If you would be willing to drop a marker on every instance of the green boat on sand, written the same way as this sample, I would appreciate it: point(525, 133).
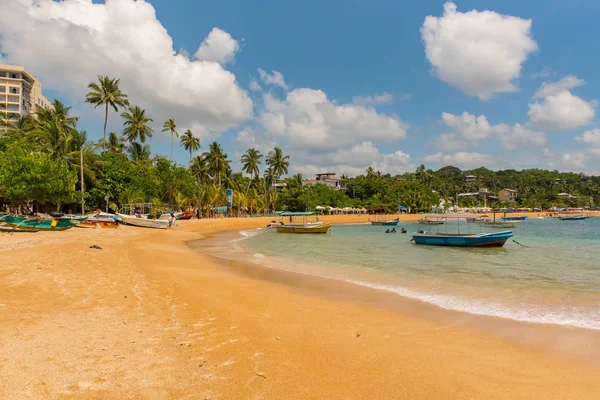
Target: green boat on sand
point(36, 224)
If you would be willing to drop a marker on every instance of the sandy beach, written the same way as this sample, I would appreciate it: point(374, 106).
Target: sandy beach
point(150, 317)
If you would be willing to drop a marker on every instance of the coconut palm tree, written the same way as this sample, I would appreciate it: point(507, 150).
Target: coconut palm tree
point(170, 125)
point(139, 152)
point(277, 162)
point(199, 169)
point(250, 162)
point(116, 143)
point(106, 91)
point(218, 164)
point(136, 125)
point(190, 142)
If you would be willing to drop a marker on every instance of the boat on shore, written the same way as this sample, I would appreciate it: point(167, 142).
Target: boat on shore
point(459, 239)
point(145, 222)
point(13, 229)
point(303, 226)
point(393, 222)
point(186, 215)
point(38, 224)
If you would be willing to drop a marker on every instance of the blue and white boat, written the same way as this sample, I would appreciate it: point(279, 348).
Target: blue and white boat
point(521, 218)
point(574, 218)
point(460, 239)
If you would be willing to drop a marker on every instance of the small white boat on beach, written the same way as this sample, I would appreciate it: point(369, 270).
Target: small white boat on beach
point(145, 222)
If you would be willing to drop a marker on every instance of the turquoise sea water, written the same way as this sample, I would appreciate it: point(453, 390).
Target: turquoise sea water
point(552, 276)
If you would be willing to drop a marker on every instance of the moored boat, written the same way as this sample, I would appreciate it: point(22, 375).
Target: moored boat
point(459, 239)
point(393, 222)
point(304, 226)
point(574, 218)
point(499, 223)
point(520, 218)
point(462, 240)
point(429, 221)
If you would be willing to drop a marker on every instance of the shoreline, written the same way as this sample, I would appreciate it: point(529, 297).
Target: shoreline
point(149, 317)
point(583, 344)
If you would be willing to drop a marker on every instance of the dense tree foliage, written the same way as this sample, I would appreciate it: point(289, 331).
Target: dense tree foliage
point(40, 159)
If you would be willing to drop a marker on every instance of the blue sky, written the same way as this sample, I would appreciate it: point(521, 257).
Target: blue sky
point(509, 84)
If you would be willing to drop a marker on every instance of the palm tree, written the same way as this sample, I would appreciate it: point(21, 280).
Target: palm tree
point(191, 142)
point(199, 169)
point(169, 125)
point(277, 162)
point(139, 152)
point(116, 143)
point(136, 125)
point(217, 161)
point(250, 162)
point(106, 92)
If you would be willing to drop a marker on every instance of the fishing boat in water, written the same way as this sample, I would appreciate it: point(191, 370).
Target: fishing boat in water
point(393, 222)
point(431, 221)
point(460, 239)
point(573, 218)
point(520, 218)
point(298, 223)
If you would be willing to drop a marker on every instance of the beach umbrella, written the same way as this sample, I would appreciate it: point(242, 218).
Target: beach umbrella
point(320, 208)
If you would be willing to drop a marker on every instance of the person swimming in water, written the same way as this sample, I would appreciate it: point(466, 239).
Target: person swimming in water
point(403, 230)
point(387, 231)
point(393, 230)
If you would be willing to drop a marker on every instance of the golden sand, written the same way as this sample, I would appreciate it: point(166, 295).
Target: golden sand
point(147, 317)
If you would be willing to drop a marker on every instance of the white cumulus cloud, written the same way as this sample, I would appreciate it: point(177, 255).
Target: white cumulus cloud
point(480, 53)
point(449, 142)
point(122, 39)
point(574, 162)
point(475, 128)
point(589, 137)
point(462, 159)
point(218, 46)
point(275, 78)
point(558, 108)
point(309, 120)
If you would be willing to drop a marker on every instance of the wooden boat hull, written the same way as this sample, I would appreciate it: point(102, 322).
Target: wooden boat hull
point(500, 224)
point(515, 218)
point(316, 228)
point(187, 215)
point(430, 222)
point(87, 224)
point(41, 225)
point(12, 229)
point(386, 223)
point(478, 240)
point(145, 223)
point(578, 218)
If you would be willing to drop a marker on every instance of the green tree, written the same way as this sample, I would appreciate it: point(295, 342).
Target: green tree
point(216, 159)
point(37, 176)
point(277, 162)
point(139, 152)
point(250, 164)
point(190, 142)
point(170, 125)
point(136, 125)
point(106, 92)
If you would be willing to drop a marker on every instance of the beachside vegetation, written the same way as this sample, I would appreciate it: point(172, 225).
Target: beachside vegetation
point(40, 160)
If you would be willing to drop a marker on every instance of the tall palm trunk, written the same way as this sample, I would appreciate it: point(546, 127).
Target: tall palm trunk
point(105, 122)
point(172, 140)
point(249, 183)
